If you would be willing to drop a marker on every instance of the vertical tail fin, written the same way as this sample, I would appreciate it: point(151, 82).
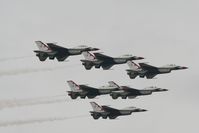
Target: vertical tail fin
point(42, 46)
point(96, 107)
point(133, 65)
point(113, 84)
point(88, 55)
point(73, 85)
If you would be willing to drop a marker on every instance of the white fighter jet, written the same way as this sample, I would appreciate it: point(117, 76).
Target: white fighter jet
point(144, 70)
point(106, 62)
point(125, 91)
point(52, 51)
point(84, 91)
point(106, 111)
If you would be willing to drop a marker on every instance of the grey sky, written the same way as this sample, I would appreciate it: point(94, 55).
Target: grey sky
point(163, 32)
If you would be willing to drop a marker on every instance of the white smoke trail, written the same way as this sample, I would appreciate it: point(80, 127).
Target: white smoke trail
point(28, 70)
point(34, 70)
point(15, 58)
point(39, 120)
point(13, 103)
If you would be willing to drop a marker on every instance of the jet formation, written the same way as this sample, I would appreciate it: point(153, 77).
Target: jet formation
point(106, 62)
point(112, 89)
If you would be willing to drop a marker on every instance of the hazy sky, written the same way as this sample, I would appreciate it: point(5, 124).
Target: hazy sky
point(34, 92)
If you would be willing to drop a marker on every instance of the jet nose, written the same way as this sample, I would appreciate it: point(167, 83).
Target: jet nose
point(159, 90)
point(140, 58)
point(94, 49)
point(184, 67)
point(137, 58)
point(164, 89)
point(140, 110)
point(143, 110)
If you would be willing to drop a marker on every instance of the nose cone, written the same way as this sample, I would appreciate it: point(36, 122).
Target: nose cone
point(184, 67)
point(181, 68)
point(144, 110)
point(137, 58)
point(164, 89)
point(94, 49)
point(140, 110)
point(159, 90)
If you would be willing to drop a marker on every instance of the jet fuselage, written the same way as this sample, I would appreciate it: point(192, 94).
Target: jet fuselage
point(120, 60)
point(82, 93)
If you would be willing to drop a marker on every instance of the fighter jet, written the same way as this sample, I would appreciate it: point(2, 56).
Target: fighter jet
point(144, 70)
point(106, 111)
point(125, 91)
point(106, 62)
point(84, 90)
point(52, 51)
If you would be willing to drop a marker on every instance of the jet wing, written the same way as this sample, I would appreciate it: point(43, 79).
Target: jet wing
point(88, 88)
point(102, 57)
point(147, 67)
point(129, 89)
point(56, 47)
point(109, 109)
point(61, 52)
